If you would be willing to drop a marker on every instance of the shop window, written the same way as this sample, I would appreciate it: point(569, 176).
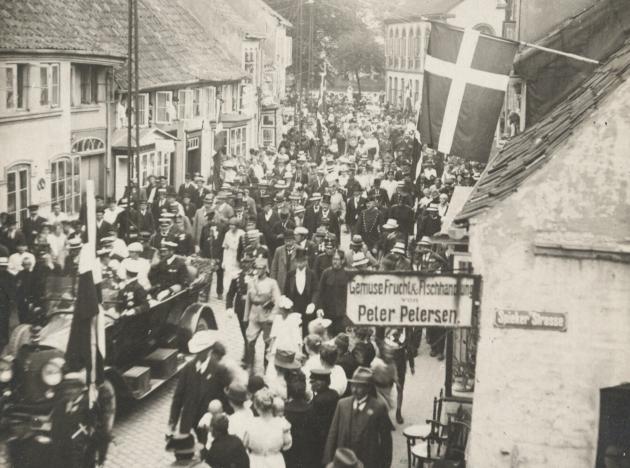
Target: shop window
point(65, 183)
point(163, 113)
point(18, 192)
point(238, 141)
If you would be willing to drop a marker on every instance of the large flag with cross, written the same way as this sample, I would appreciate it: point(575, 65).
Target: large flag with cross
point(466, 75)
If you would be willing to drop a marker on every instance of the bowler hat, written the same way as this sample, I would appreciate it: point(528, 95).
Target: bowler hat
point(286, 359)
point(345, 458)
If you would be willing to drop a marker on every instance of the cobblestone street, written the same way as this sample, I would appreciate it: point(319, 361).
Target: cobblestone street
point(139, 431)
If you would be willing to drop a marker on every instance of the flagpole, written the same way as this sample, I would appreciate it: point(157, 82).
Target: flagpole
point(91, 251)
point(522, 43)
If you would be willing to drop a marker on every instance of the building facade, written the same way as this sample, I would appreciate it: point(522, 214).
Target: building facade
point(554, 258)
point(406, 41)
point(53, 112)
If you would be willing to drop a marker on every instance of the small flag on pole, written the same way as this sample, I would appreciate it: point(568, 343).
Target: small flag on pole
point(465, 78)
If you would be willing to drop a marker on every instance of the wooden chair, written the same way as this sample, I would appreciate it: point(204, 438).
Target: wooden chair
point(445, 447)
point(420, 432)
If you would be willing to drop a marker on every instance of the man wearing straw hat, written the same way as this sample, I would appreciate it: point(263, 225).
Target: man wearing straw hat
point(361, 423)
point(201, 381)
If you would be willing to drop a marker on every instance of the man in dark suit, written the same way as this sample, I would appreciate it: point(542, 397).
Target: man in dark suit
point(187, 188)
point(32, 225)
point(355, 205)
point(323, 408)
point(328, 218)
point(267, 220)
point(361, 423)
point(283, 260)
point(312, 216)
point(201, 381)
point(199, 192)
point(143, 218)
point(301, 287)
point(369, 224)
point(318, 184)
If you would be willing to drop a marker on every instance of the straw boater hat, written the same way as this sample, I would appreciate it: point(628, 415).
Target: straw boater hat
point(391, 224)
point(202, 340)
point(135, 247)
point(298, 210)
point(300, 231)
point(399, 248)
point(316, 196)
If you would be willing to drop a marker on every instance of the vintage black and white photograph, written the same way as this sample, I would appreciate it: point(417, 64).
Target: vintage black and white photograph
point(315, 233)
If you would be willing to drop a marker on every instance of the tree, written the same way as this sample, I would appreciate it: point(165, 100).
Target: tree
point(357, 52)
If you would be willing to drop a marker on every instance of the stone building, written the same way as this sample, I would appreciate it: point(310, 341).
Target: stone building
point(548, 224)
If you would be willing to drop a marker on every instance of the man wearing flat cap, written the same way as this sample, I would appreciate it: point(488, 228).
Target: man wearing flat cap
point(201, 381)
point(32, 225)
point(361, 423)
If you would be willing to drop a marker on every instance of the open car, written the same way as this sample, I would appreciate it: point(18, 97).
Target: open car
point(142, 353)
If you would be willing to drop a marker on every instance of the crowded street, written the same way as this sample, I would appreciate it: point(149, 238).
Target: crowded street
point(314, 234)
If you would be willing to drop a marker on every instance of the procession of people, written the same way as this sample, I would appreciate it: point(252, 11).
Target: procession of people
point(269, 230)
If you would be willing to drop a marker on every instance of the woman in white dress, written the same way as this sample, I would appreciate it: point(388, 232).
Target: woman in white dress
point(267, 435)
point(230, 252)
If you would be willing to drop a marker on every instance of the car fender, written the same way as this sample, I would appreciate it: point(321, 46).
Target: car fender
point(188, 321)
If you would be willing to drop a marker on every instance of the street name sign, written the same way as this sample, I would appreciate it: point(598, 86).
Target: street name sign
point(411, 299)
point(526, 319)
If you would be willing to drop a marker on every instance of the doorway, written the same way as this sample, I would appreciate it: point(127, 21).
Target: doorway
point(613, 445)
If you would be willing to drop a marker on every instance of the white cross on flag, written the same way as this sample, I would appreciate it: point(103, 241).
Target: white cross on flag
point(466, 75)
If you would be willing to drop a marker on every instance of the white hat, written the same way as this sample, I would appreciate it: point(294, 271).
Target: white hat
point(132, 266)
point(359, 259)
point(300, 231)
point(135, 247)
point(391, 224)
point(4, 261)
point(285, 303)
point(399, 248)
point(202, 340)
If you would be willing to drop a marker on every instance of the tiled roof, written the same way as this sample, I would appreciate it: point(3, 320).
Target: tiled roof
point(411, 9)
point(174, 47)
point(530, 150)
point(84, 27)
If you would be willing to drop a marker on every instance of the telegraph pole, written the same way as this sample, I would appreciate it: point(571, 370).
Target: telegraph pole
point(300, 64)
point(130, 20)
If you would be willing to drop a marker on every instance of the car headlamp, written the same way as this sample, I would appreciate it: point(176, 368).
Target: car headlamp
point(52, 373)
point(6, 371)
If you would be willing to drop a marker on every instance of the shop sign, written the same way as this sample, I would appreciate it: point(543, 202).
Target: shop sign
point(411, 299)
point(530, 320)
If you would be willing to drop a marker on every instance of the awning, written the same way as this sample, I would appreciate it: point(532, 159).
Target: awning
point(161, 140)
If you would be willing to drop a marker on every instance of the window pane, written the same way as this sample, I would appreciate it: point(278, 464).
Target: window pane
point(55, 85)
point(11, 179)
point(22, 85)
point(61, 187)
point(23, 199)
point(23, 178)
point(10, 102)
point(11, 202)
point(53, 191)
point(77, 166)
point(43, 85)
